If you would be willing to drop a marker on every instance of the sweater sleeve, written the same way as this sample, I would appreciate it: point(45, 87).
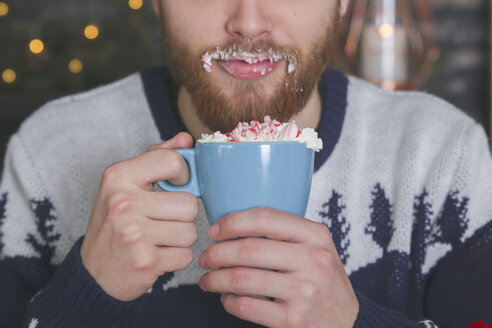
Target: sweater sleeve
point(375, 315)
point(73, 299)
point(36, 289)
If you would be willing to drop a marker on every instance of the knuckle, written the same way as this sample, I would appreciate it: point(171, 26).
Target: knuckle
point(230, 222)
point(265, 212)
point(143, 261)
point(212, 253)
point(297, 319)
point(267, 215)
point(114, 172)
point(187, 257)
point(191, 234)
point(173, 162)
point(308, 290)
point(190, 205)
point(322, 259)
point(249, 248)
point(130, 233)
point(118, 204)
point(243, 307)
point(240, 278)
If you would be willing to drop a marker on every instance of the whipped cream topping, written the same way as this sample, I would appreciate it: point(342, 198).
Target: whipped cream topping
point(268, 131)
point(234, 53)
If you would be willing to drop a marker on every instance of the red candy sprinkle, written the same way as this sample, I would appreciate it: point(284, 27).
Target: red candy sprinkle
point(256, 130)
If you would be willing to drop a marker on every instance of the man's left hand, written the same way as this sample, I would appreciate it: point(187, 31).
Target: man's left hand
point(306, 282)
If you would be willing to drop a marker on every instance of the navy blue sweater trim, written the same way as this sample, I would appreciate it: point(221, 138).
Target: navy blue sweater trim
point(333, 89)
point(161, 92)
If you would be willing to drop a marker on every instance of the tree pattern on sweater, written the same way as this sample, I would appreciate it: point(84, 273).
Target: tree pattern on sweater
point(43, 210)
point(333, 217)
point(381, 225)
point(448, 228)
point(421, 230)
point(453, 222)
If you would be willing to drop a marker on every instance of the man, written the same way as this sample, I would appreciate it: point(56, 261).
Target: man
point(398, 230)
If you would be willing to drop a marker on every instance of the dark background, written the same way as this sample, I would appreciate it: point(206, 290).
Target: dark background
point(129, 40)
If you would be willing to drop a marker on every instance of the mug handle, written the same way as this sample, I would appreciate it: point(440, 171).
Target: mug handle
point(193, 185)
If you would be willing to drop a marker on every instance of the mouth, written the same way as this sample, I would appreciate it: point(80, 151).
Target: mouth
point(246, 65)
point(245, 70)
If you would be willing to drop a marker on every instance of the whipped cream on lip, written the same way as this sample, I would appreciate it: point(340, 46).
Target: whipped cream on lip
point(244, 64)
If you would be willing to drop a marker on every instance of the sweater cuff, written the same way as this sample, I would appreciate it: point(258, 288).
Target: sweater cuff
point(375, 315)
point(74, 299)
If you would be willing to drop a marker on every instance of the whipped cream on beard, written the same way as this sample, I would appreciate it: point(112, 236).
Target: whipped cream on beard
point(268, 131)
point(235, 53)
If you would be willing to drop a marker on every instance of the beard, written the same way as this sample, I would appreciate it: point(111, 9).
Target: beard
point(247, 100)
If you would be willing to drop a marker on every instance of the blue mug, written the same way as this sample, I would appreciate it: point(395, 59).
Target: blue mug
point(231, 177)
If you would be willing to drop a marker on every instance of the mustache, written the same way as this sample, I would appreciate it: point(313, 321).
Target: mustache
point(251, 53)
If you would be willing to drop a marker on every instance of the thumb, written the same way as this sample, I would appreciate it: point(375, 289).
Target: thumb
point(181, 140)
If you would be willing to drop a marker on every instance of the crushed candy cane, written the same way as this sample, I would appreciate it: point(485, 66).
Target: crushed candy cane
point(269, 130)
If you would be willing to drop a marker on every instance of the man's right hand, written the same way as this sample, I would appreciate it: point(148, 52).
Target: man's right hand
point(135, 234)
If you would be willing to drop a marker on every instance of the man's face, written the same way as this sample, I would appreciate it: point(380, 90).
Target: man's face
point(243, 59)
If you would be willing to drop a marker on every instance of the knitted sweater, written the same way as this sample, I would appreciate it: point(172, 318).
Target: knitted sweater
point(404, 183)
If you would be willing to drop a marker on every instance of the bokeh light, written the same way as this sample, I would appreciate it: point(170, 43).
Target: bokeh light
point(91, 32)
point(4, 9)
point(386, 30)
point(135, 4)
point(36, 46)
point(9, 75)
point(75, 66)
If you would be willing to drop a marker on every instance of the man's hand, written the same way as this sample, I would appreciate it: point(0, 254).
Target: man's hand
point(135, 234)
point(307, 282)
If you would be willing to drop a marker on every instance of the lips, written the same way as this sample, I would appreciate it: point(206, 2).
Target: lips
point(248, 71)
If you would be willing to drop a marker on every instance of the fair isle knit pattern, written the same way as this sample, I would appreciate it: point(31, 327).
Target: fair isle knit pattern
point(404, 184)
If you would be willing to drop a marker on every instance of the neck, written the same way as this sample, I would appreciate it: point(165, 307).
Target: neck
point(309, 117)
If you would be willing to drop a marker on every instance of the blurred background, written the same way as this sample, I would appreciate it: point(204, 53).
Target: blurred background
point(53, 48)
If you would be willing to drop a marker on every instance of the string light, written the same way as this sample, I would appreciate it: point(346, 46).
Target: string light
point(36, 46)
point(135, 4)
point(4, 9)
point(75, 66)
point(91, 32)
point(9, 76)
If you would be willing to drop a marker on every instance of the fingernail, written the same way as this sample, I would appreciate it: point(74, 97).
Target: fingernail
point(201, 260)
point(214, 230)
